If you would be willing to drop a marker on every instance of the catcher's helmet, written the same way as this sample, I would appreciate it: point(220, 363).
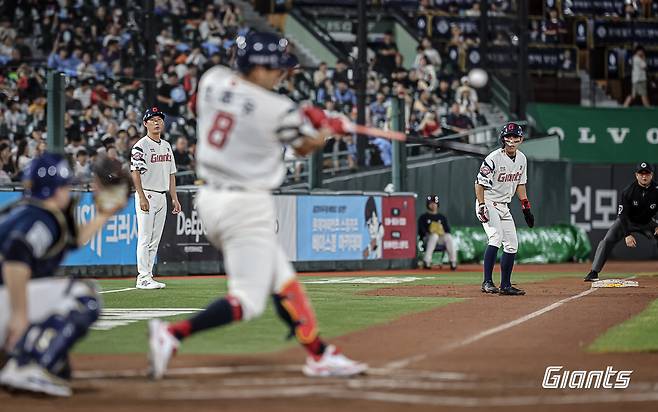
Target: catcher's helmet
point(431, 199)
point(262, 49)
point(45, 174)
point(509, 132)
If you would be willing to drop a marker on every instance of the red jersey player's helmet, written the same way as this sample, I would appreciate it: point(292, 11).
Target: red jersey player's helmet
point(511, 134)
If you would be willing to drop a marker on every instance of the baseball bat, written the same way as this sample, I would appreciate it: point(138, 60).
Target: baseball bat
point(375, 132)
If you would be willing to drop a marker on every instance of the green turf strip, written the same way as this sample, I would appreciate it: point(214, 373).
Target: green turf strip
point(340, 309)
point(638, 334)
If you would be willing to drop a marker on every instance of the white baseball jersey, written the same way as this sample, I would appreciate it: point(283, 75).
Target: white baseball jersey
point(155, 162)
point(241, 128)
point(500, 175)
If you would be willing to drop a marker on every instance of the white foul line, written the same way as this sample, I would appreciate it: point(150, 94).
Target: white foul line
point(411, 359)
point(117, 290)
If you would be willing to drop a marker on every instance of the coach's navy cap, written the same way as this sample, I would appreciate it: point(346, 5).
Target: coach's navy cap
point(643, 167)
point(152, 112)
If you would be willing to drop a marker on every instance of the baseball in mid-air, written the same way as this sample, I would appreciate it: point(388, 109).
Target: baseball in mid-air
point(478, 78)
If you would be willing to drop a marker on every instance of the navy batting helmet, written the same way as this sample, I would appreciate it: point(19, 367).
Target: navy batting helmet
point(262, 49)
point(431, 199)
point(510, 131)
point(45, 174)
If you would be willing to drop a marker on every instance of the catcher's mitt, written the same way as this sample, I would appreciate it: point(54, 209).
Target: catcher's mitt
point(112, 185)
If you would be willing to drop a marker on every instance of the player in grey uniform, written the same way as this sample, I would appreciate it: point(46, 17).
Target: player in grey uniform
point(502, 174)
point(152, 165)
point(242, 126)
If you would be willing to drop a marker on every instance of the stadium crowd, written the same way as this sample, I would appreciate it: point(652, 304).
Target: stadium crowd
point(100, 47)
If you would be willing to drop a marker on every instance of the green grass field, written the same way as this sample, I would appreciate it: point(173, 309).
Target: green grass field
point(638, 334)
point(341, 308)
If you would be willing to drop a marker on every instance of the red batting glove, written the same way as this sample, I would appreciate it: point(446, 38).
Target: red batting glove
point(525, 204)
point(315, 115)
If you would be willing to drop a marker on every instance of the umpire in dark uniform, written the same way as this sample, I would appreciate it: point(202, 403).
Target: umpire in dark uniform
point(637, 212)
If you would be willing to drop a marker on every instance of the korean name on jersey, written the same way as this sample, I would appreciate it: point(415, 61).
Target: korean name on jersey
point(241, 129)
point(500, 175)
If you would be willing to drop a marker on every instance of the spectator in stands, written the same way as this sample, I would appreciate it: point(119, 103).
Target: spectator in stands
point(8, 167)
point(340, 72)
point(168, 102)
point(474, 11)
point(467, 97)
point(377, 111)
point(445, 94)
point(639, 78)
point(320, 74)
point(74, 146)
point(630, 10)
point(456, 121)
point(554, 27)
point(424, 103)
point(211, 30)
point(182, 155)
point(385, 55)
point(83, 93)
point(429, 126)
point(324, 93)
point(344, 97)
point(431, 55)
point(22, 155)
point(426, 73)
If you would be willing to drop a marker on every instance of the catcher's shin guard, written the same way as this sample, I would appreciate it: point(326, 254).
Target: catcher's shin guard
point(49, 341)
point(293, 307)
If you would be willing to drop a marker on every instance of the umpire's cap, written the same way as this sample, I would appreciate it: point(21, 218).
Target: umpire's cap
point(263, 49)
point(152, 112)
point(644, 167)
point(45, 174)
point(431, 199)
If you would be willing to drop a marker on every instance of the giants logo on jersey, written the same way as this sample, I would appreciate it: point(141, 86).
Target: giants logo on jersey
point(509, 177)
point(160, 158)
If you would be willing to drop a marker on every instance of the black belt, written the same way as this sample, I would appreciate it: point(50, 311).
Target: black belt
point(156, 191)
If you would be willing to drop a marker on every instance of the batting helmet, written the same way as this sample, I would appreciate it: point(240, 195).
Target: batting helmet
point(431, 199)
point(511, 131)
point(262, 49)
point(45, 174)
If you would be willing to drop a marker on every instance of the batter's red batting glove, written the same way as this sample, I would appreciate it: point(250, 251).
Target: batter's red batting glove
point(527, 214)
point(319, 119)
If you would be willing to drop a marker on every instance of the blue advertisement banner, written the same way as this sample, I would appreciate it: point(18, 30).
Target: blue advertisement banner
point(114, 245)
point(339, 228)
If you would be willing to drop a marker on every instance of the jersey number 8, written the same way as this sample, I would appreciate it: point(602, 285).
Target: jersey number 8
point(221, 128)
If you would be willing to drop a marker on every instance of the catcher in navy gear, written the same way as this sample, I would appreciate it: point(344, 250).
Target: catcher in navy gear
point(41, 316)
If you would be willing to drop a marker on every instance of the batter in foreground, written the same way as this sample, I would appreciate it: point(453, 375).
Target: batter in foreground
point(242, 126)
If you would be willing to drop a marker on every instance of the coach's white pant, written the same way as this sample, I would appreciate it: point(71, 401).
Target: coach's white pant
point(500, 228)
point(432, 239)
point(46, 297)
point(149, 232)
point(242, 225)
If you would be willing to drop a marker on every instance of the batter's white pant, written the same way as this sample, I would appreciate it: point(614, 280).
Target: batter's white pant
point(242, 225)
point(149, 231)
point(432, 239)
point(46, 297)
point(500, 228)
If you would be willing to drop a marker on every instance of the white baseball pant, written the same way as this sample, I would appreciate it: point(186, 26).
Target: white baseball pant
point(433, 239)
point(242, 225)
point(500, 228)
point(149, 231)
point(46, 297)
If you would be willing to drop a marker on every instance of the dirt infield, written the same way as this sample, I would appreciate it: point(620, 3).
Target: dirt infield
point(485, 352)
